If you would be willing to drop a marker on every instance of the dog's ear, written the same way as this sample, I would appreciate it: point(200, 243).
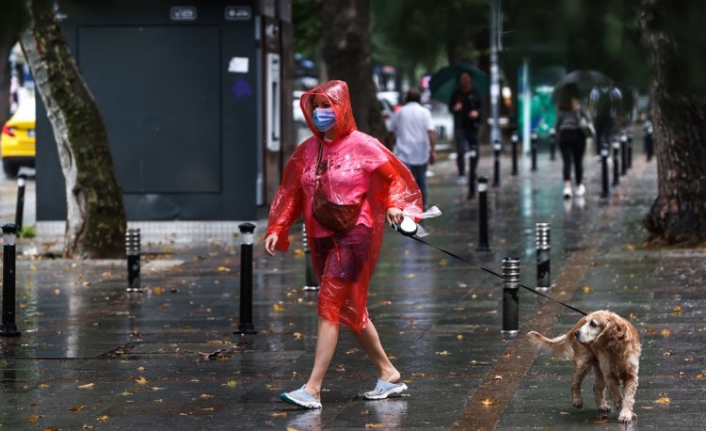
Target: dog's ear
point(615, 329)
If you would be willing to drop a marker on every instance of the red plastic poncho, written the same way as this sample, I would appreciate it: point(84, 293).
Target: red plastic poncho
point(357, 167)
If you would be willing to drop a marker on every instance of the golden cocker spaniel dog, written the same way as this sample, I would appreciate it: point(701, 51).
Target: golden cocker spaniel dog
point(611, 346)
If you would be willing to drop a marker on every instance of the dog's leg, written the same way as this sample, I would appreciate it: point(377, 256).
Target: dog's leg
point(581, 368)
point(630, 381)
point(614, 390)
point(599, 389)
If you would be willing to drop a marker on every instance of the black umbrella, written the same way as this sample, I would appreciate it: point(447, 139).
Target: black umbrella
point(582, 82)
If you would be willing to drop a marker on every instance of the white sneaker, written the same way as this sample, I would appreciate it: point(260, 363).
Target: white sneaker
point(580, 190)
point(567, 192)
point(462, 181)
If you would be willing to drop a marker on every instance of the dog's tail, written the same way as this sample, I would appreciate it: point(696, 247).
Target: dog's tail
point(560, 344)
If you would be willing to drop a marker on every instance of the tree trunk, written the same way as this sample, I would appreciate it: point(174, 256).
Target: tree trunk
point(345, 32)
point(678, 214)
point(95, 220)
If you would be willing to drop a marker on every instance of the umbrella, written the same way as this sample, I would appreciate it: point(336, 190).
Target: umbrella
point(583, 81)
point(445, 81)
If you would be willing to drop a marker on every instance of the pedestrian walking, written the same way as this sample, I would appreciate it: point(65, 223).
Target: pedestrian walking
point(347, 185)
point(605, 104)
point(572, 140)
point(412, 134)
point(465, 104)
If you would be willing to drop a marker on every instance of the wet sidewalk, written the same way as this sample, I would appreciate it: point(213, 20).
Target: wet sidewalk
point(92, 356)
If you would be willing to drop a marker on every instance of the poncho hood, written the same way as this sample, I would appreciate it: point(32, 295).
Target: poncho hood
point(337, 94)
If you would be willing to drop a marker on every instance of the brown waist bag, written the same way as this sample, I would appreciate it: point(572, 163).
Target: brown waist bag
point(333, 216)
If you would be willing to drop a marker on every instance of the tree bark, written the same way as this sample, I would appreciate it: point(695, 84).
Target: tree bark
point(95, 220)
point(678, 214)
point(345, 32)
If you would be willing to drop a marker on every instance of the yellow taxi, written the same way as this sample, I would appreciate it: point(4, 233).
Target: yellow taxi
point(17, 140)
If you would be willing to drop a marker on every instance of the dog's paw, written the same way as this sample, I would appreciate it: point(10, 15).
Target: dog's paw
point(578, 402)
point(605, 408)
point(626, 416)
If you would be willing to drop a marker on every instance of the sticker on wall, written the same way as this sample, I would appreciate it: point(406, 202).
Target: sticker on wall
point(241, 89)
point(239, 65)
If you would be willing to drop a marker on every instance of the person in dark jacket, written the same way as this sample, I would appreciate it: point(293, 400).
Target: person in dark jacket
point(572, 141)
point(465, 104)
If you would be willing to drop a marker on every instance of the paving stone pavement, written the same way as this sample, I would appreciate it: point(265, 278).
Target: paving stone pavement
point(92, 356)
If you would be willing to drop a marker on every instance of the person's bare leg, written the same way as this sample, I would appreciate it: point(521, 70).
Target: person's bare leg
point(327, 337)
point(369, 341)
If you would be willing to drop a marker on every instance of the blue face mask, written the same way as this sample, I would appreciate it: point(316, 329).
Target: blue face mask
point(324, 118)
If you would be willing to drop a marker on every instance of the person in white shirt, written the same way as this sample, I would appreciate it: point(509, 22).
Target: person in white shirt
point(412, 134)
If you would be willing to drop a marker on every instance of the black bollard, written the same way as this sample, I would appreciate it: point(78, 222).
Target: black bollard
point(19, 209)
point(473, 161)
point(604, 169)
point(514, 153)
point(616, 162)
point(247, 232)
point(552, 144)
point(132, 252)
point(534, 139)
point(497, 147)
point(483, 214)
point(623, 154)
point(310, 284)
point(544, 278)
point(629, 149)
point(9, 327)
point(511, 301)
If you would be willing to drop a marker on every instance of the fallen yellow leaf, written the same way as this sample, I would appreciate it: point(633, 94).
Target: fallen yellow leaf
point(141, 381)
point(666, 332)
point(663, 400)
point(279, 415)
point(34, 418)
point(86, 386)
point(374, 425)
point(232, 383)
point(76, 408)
point(277, 307)
point(223, 269)
point(206, 396)
point(677, 309)
point(444, 353)
point(487, 402)
point(587, 289)
point(102, 418)
point(297, 336)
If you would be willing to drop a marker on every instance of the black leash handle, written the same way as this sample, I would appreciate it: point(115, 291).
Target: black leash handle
point(489, 271)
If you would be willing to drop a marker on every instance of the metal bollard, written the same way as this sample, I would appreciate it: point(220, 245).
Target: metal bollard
point(514, 153)
point(552, 144)
point(629, 149)
point(132, 252)
point(604, 169)
point(543, 255)
point(483, 214)
point(310, 284)
point(533, 148)
point(473, 161)
point(245, 326)
point(497, 147)
point(623, 154)
point(19, 209)
point(9, 327)
point(616, 162)
point(511, 301)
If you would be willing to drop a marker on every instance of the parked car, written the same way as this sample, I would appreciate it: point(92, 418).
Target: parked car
point(17, 139)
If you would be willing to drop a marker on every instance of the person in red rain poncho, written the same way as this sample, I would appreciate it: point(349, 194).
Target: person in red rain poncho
point(349, 168)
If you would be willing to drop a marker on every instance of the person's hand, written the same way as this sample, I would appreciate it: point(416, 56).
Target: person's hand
point(432, 157)
point(473, 114)
point(458, 106)
point(394, 215)
point(270, 243)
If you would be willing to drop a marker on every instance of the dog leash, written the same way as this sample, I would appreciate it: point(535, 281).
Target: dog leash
point(489, 271)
